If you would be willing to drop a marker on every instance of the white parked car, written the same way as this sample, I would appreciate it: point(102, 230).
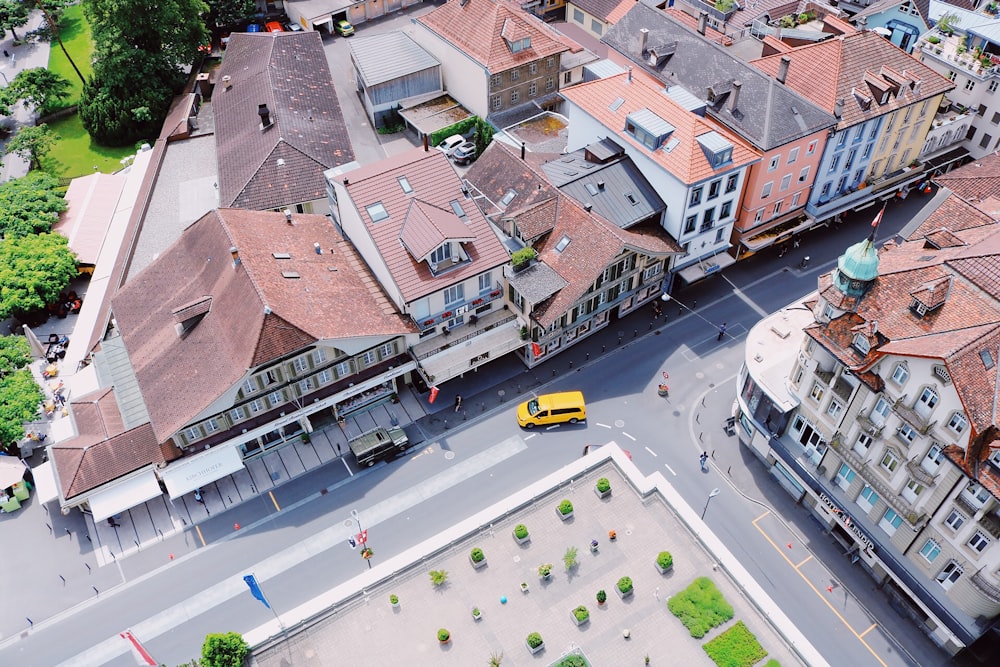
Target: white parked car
point(449, 145)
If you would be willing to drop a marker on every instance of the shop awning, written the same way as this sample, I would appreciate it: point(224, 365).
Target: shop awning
point(190, 473)
point(124, 494)
point(46, 489)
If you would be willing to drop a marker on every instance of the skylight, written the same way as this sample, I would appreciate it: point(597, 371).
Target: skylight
point(592, 189)
point(987, 359)
point(377, 212)
point(630, 197)
point(616, 104)
point(563, 242)
point(405, 184)
point(457, 208)
point(507, 198)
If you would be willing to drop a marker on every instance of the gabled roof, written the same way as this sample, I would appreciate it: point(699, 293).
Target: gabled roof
point(483, 30)
point(91, 202)
point(425, 227)
point(640, 93)
point(280, 297)
point(855, 68)
point(494, 178)
point(608, 11)
point(767, 113)
point(434, 182)
point(283, 164)
point(880, 6)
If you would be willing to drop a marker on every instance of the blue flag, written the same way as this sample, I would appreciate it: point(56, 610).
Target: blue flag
point(255, 589)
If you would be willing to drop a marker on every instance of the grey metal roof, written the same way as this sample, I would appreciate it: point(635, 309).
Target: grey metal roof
point(767, 115)
point(714, 142)
point(686, 99)
point(605, 148)
point(652, 123)
point(617, 191)
point(601, 70)
point(989, 30)
point(388, 56)
point(536, 283)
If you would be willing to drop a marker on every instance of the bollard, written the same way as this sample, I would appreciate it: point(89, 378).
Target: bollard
point(465, 415)
point(604, 348)
point(446, 424)
point(553, 372)
point(96, 592)
point(650, 326)
point(63, 579)
point(89, 571)
point(619, 340)
point(30, 622)
point(571, 364)
point(635, 332)
point(588, 356)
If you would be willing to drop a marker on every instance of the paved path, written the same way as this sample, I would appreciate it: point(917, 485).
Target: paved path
point(16, 59)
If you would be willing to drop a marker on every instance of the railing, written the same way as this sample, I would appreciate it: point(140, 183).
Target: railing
point(990, 523)
point(911, 416)
point(870, 427)
point(483, 325)
point(963, 501)
point(460, 309)
point(885, 492)
point(919, 474)
point(985, 586)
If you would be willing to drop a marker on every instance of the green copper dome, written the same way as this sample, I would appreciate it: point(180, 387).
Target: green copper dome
point(859, 262)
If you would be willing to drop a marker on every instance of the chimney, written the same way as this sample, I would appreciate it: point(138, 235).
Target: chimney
point(522, 150)
point(643, 40)
point(783, 68)
point(236, 256)
point(600, 185)
point(630, 74)
point(426, 148)
point(734, 95)
point(838, 107)
point(265, 116)
point(702, 22)
point(587, 207)
point(288, 215)
point(227, 82)
point(319, 251)
point(862, 23)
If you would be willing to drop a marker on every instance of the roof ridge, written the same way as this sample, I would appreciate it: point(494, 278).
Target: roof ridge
point(218, 212)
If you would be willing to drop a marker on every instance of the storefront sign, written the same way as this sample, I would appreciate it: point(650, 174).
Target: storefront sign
point(190, 473)
point(848, 523)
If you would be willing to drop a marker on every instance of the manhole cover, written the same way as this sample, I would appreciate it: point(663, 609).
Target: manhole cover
point(711, 385)
point(348, 523)
point(677, 413)
point(619, 423)
point(449, 455)
point(699, 375)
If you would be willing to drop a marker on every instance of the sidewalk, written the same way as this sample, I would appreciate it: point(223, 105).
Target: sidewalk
point(25, 56)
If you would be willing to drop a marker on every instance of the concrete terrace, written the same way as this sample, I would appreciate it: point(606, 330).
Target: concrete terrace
point(355, 623)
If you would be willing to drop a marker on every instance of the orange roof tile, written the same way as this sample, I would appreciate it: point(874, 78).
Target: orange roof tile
point(638, 91)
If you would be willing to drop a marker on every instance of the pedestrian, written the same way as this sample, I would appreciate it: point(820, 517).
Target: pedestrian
point(458, 402)
point(197, 496)
point(6, 54)
point(112, 523)
point(722, 331)
point(657, 311)
point(703, 459)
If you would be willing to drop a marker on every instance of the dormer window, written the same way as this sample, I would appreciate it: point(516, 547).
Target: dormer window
point(519, 44)
point(442, 253)
point(647, 128)
point(718, 150)
point(861, 344)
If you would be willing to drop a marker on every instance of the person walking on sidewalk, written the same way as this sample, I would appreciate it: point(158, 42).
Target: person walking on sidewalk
point(722, 331)
point(703, 459)
point(458, 402)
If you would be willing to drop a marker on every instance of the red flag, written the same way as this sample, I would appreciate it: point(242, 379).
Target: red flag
point(536, 349)
point(140, 654)
point(434, 395)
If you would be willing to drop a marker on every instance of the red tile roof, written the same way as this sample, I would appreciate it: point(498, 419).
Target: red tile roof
point(827, 71)
point(435, 184)
point(482, 28)
point(426, 226)
point(976, 181)
point(638, 91)
point(264, 308)
point(284, 164)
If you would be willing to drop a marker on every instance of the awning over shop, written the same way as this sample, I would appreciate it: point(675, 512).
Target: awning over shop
point(706, 267)
point(190, 473)
point(46, 489)
point(124, 494)
point(943, 160)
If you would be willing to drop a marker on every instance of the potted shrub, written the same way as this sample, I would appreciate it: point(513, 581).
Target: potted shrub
point(444, 636)
point(663, 390)
point(602, 597)
point(565, 510)
point(581, 615)
point(524, 332)
point(534, 642)
point(664, 561)
point(524, 586)
point(603, 488)
point(394, 601)
point(476, 614)
point(521, 259)
point(594, 546)
point(438, 577)
point(521, 534)
point(624, 587)
point(545, 570)
point(569, 558)
point(477, 557)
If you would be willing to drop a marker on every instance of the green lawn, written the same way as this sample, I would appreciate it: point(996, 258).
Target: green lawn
point(74, 154)
point(75, 33)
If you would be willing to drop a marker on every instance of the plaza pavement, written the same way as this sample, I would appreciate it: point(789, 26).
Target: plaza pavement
point(355, 623)
point(24, 56)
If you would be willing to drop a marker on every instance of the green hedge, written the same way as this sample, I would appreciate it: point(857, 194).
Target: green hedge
point(700, 607)
point(474, 126)
point(736, 647)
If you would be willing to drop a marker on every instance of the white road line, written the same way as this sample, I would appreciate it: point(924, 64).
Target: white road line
point(604, 425)
point(745, 299)
point(553, 426)
point(628, 436)
point(670, 469)
point(650, 451)
point(349, 471)
point(530, 436)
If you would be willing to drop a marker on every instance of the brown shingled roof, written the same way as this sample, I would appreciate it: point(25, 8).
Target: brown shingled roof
point(976, 181)
point(284, 164)
point(264, 307)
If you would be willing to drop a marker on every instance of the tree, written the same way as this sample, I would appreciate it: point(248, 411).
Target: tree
point(30, 205)
point(33, 270)
point(171, 29)
point(13, 14)
point(15, 354)
point(33, 143)
point(226, 12)
point(36, 87)
point(115, 109)
point(53, 11)
point(224, 650)
point(20, 397)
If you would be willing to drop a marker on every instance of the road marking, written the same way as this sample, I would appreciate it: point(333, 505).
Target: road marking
point(603, 425)
point(530, 436)
point(804, 561)
point(650, 451)
point(201, 537)
point(349, 471)
point(670, 469)
point(873, 626)
point(274, 500)
point(810, 584)
point(553, 426)
point(628, 436)
point(745, 299)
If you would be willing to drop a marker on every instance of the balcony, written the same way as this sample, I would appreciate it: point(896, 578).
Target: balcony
point(919, 474)
point(455, 309)
point(951, 51)
point(885, 492)
point(985, 586)
point(912, 417)
point(468, 346)
point(871, 428)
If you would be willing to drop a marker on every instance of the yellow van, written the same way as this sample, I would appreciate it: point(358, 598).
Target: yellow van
point(567, 406)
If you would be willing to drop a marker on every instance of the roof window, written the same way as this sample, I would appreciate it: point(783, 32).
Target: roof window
point(405, 184)
point(457, 208)
point(508, 197)
point(647, 128)
point(563, 242)
point(987, 358)
point(377, 212)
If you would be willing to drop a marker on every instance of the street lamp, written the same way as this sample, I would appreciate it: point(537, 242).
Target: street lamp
point(366, 551)
point(666, 297)
point(711, 495)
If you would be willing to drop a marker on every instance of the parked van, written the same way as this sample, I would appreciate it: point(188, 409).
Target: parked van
point(567, 406)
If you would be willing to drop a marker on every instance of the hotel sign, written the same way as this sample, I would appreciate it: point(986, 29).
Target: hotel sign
point(845, 519)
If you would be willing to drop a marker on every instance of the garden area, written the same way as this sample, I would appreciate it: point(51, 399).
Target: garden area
point(588, 575)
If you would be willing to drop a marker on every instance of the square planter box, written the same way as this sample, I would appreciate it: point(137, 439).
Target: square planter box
point(478, 565)
point(525, 540)
point(624, 595)
point(662, 570)
point(562, 516)
point(602, 494)
point(577, 621)
point(535, 650)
